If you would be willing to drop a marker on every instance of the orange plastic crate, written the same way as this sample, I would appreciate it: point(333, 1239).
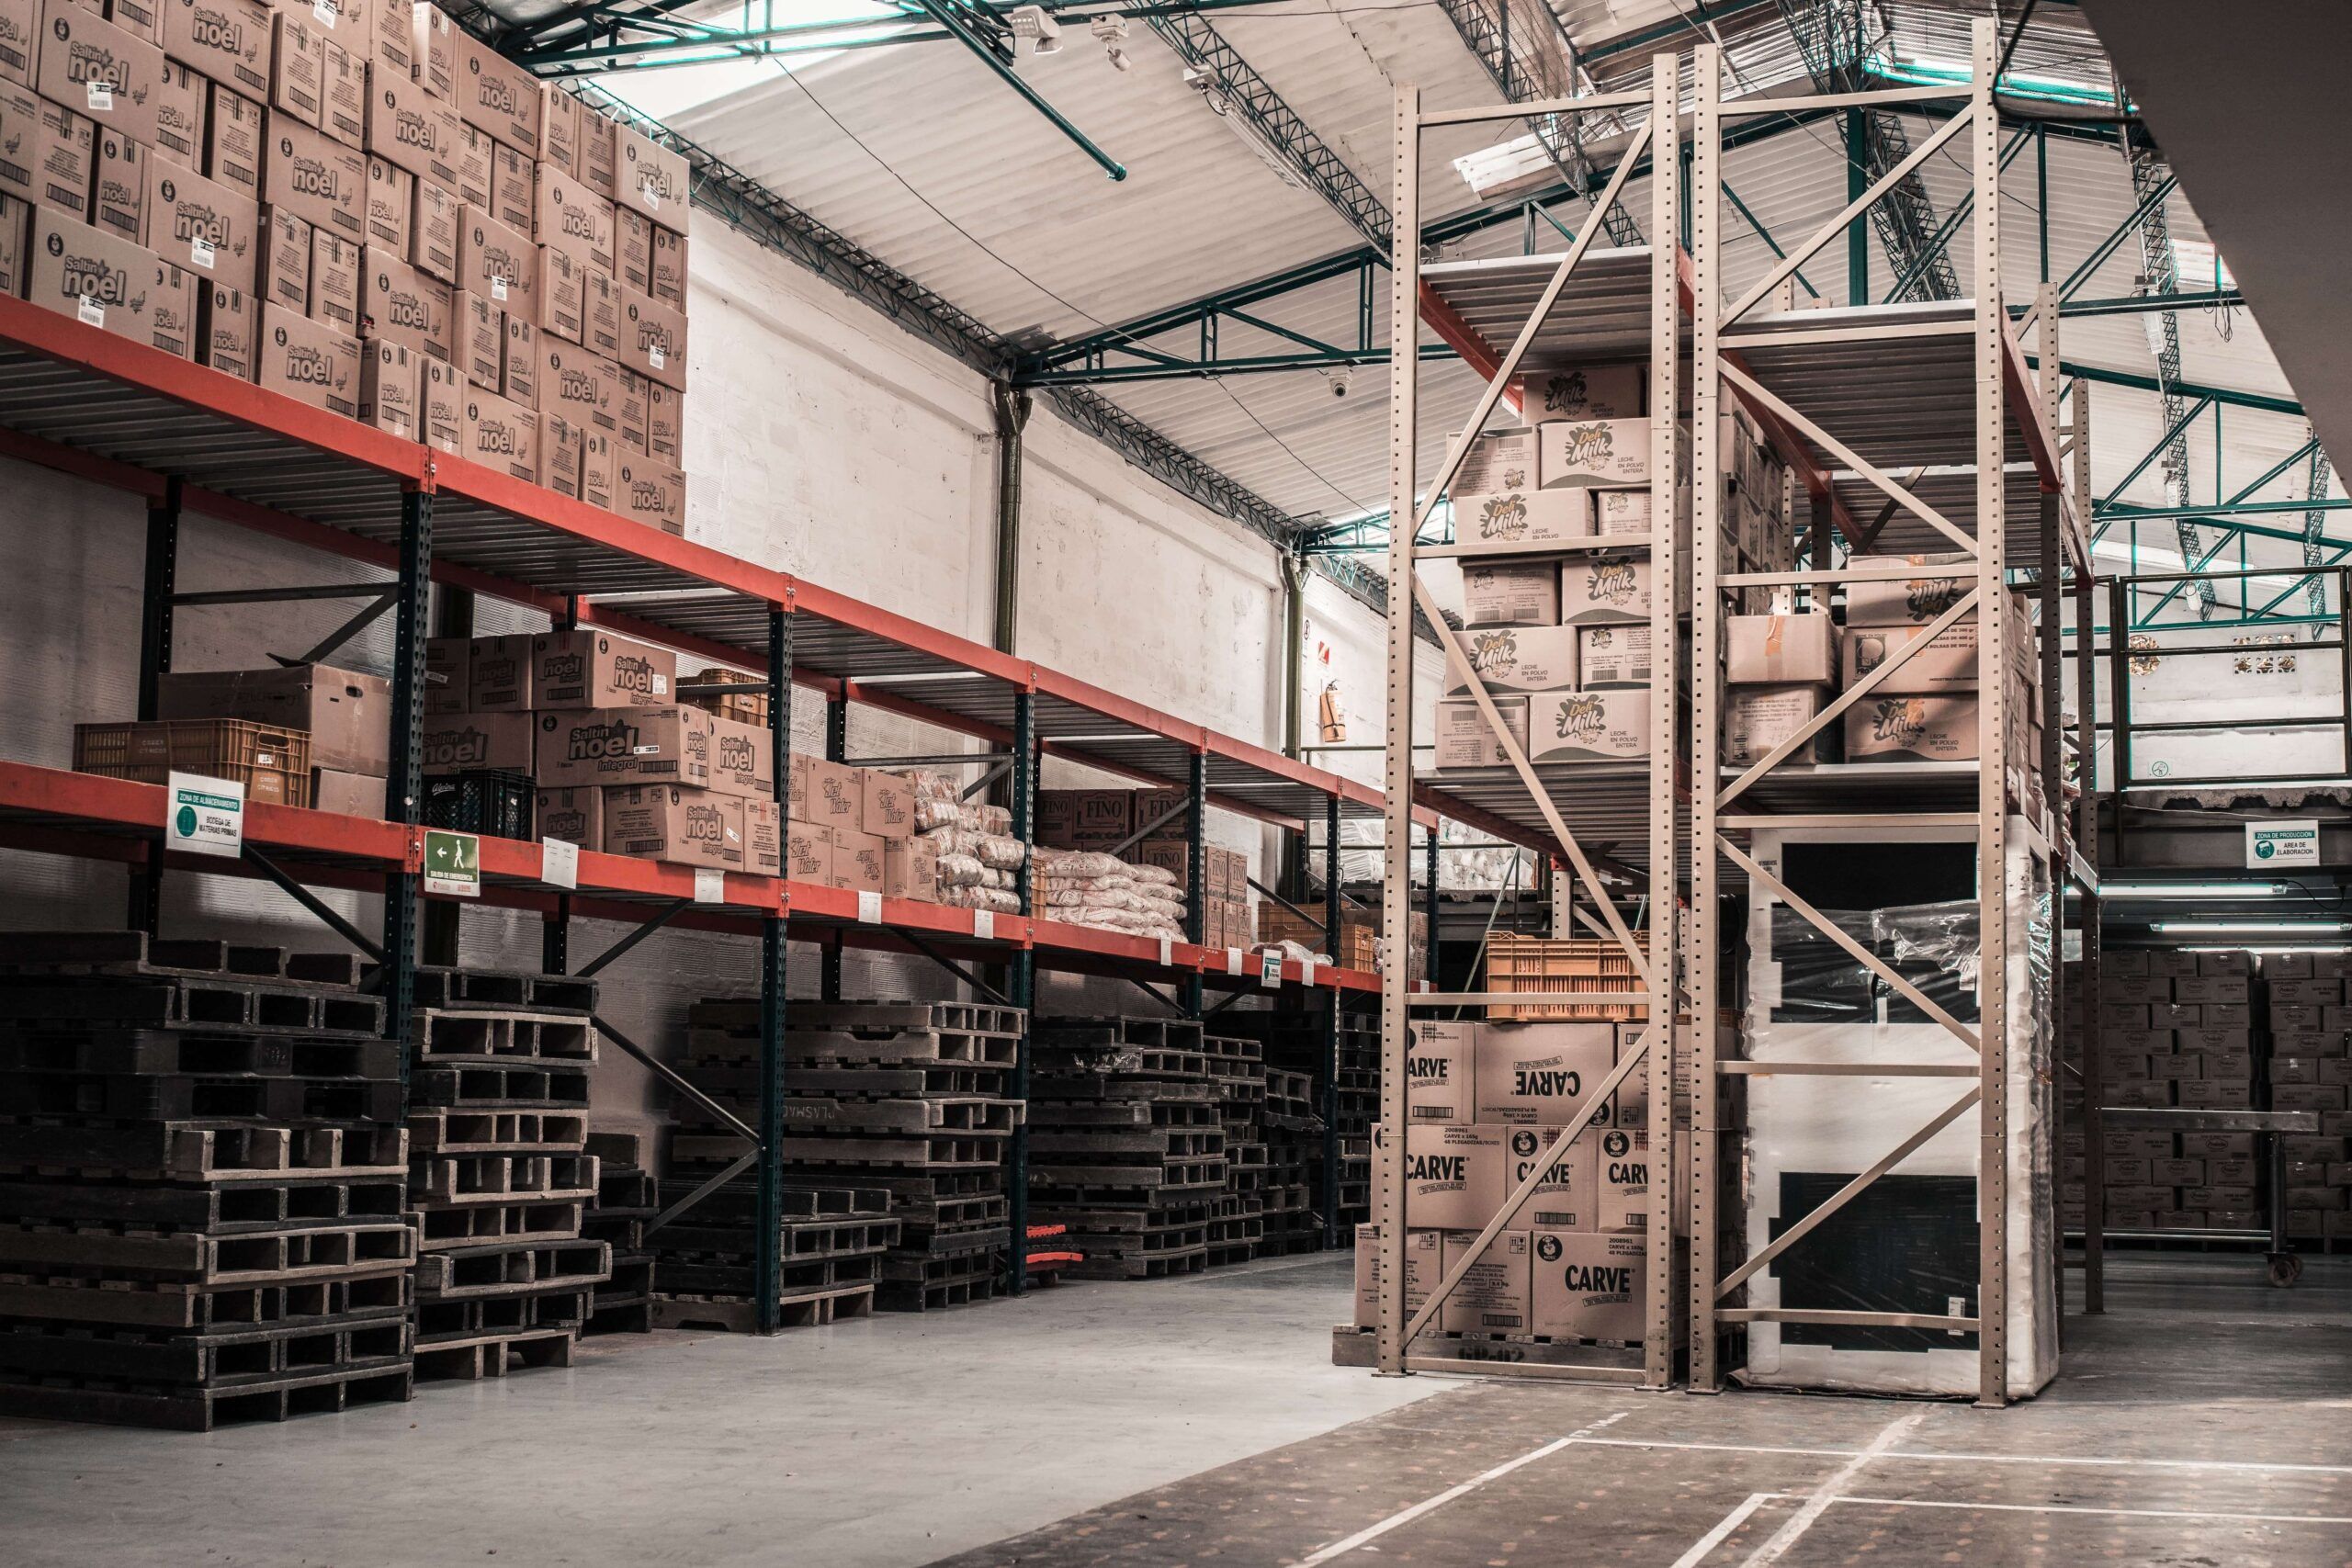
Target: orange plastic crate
point(273, 764)
point(1550, 966)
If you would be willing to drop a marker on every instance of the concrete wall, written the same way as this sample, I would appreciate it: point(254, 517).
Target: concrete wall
point(820, 440)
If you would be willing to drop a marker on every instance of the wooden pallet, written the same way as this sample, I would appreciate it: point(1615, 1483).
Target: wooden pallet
point(201, 1410)
point(737, 1314)
point(495, 1356)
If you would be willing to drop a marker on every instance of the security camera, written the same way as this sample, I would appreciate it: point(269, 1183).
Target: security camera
point(1340, 380)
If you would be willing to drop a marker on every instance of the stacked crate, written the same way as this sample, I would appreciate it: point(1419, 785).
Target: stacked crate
point(623, 1208)
point(903, 1106)
point(1237, 1222)
point(500, 1177)
point(1294, 1133)
point(2310, 1068)
point(200, 1184)
point(1126, 1144)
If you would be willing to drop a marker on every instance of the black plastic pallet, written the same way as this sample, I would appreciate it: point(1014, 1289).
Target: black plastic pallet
point(458, 1130)
point(121, 1254)
point(201, 1410)
point(168, 1002)
point(179, 1097)
point(200, 1150)
point(382, 1287)
point(463, 1035)
point(439, 987)
point(44, 1352)
point(737, 1314)
point(220, 1208)
point(494, 1084)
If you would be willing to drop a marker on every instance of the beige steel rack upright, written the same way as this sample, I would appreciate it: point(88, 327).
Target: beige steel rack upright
point(1941, 387)
point(1637, 290)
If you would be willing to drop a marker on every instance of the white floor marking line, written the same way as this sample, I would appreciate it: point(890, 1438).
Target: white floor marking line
point(1826, 1492)
point(1714, 1538)
point(1922, 1455)
point(2088, 1508)
point(1341, 1547)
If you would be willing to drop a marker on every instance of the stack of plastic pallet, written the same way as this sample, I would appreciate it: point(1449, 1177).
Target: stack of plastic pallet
point(1237, 1221)
point(500, 1177)
point(1294, 1044)
point(623, 1209)
point(1126, 1144)
point(1294, 1134)
point(907, 1100)
point(202, 1174)
point(832, 1239)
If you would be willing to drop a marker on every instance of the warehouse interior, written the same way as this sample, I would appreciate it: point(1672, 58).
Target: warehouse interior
point(733, 833)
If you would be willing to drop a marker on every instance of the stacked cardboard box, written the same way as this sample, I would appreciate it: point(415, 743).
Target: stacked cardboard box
point(1359, 945)
point(855, 828)
point(361, 207)
point(346, 714)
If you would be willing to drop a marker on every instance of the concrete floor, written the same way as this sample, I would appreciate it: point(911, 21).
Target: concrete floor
point(2203, 1421)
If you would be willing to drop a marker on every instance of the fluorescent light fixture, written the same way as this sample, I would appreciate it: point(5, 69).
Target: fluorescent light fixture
point(2241, 947)
point(2193, 889)
point(2249, 928)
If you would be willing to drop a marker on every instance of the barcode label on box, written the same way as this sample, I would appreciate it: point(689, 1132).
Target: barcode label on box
point(655, 358)
point(101, 95)
point(90, 311)
point(498, 289)
point(200, 253)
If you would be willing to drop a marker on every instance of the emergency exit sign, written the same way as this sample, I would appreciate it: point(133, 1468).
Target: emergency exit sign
point(2273, 844)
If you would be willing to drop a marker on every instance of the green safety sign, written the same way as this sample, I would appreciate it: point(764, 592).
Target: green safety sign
point(452, 863)
point(205, 817)
point(2291, 841)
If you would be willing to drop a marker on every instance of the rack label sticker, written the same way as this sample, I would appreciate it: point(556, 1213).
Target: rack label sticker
point(90, 311)
point(1270, 968)
point(560, 862)
point(205, 817)
point(2293, 841)
point(710, 885)
point(870, 907)
point(984, 924)
point(452, 863)
point(1167, 951)
point(201, 252)
point(1233, 961)
point(101, 97)
point(1306, 971)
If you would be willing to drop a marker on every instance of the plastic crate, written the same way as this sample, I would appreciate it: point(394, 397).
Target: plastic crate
point(485, 801)
point(1564, 967)
point(271, 763)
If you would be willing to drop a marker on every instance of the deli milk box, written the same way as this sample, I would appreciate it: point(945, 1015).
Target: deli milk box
point(1517, 658)
point(1589, 727)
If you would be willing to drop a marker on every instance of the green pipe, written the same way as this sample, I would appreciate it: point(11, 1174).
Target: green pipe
point(947, 18)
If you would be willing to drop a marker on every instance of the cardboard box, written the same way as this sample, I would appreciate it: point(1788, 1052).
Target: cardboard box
point(1498, 462)
point(561, 132)
point(119, 193)
point(92, 276)
point(670, 269)
point(1453, 1174)
point(519, 363)
point(1589, 727)
point(1517, 658)
point(1510, 593)
point(501, 434)
point(1946, 665)
point(413, 130)
point(808, 852)
point(583, 389)
point(911, 869)
point(1594, 452)
point(349, 715)
point(1591, 392)
point(15, 243)
point(1610, 656)
point(665, 424)
point(497, 96)
point(1441, 1070)
point(1424, 1270)
point(600, 318)
point(595, 162)
point(179, 117)
point(58, 147)
point(400, 304)
point(833, 795)
point(449, 674)
point(467, 742)
point(1780, 650)
point(668, 822)
point(349, 795)
point(1541, 1075)
point(392, 196)
point(651, 492)
point(320, 181)
point(589, 669)
point(21, 42)
point(391, 31)
point(500, 678)
point(511, 176)
point(442, 392)
point(625, 746)
point(497, 261)
point(599, 467)
point(89, 65)
point(479, 332)
point(635, 392)
point(334, 281)
point(576, 816)
point(857, 861)
point(1085, 818)
point(433, 230)
point(297, 68)
point(389, 395)
point(1606, 586)
point(225, 41)
point(1909, 601)
point(742, 760)
point(1565, 1196)
point(648, 177)
point(1464, 739)
point(1528, 516)
point(202, 224)
point(1912, 729)
point(561, 444)
point(224, 328)
point(568, 217)
point(1622, 1173)
point(1757, 719)
point(633, 249)
point(1590, 1285)
point(433, 39)
point(235, 140)
point(762, 838)
point(342, 106)
point(282, 276)
point(886, 804)
point(471, 154)
point(654, 340)
point(560, 296)
point(1491, 1297)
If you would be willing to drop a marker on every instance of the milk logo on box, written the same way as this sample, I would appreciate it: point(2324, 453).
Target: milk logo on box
point(1927, 597)
point(1502, 517)
point(1611, 579)
point(1493, 651)
point(602, 742)
point(1588, 445)
point(1565, 393)
point(1583, 716)
point(89, 277)
point(1900, 719)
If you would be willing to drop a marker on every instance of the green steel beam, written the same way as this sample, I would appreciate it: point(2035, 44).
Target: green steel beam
point(2171, 434)
point(1939, 245)
point(2116, 236)
point(2227, 397)
point(2142, 304)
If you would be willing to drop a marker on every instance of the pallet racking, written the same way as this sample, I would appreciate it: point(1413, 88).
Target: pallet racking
point(191, 442)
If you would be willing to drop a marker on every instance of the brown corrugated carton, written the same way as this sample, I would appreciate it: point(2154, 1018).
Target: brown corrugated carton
point(411, 128)
point(224, 327)
point(347, 795)
point(1910, 601)
point(392, 33)
point(496, 261)
point(651, 492)
point(95, 68)
point(1623, 1167)
point(1565, 1193)
point(648, 177)
point(1948, 664)
point(171, 317)
point(1589, 727)
point(19, 40)
point(433, 39)
point(1464, 739)
point(808, 852)
point(433, 230)
point(624, 744)
point(473, 168)
point(1780, 650)
point(510, 187)
point(670, 269)
point(502, 434)
point(633, 249)
point(389, 389)
point(342, 106)
point(857, 861)
point(584, 668)
point(225, 41)
point(762, 838)
point(56, 146)
point(1491, 1297)
point(90, 275)
point(1590, 1285)
point(562, 447)
point(1912, 729)
point(834, 795)
point(1517, 659)
point(559, 295)
point(497, 96)
point(742, 759)
point(670, 822)
point(1085, 818)
point(599, 465)
point(1510, 593)
point(560, 131)
point(1593, 391)
point(582, 386)
point(392, 196)
point(319, 180)
point(349, 715)
point(1453, 1174)
point(334, 281)
point(235, 133)
point(654, 340)
point(442, 390)
point(595, 164)
point(1541, 1074)
point(448, 673)
point(467, 742)
point(600, 313)
point(179, 117)
point(665, 421)
point(202, 224)
point(1613, 655)
point(297, 68)
point(500, 678)
point(1606, 587)
point(479, 329)
point(282, 275)
point(911, 869)
point(1757, 719)
point(1424, 1269)
point(143, 18)
point(119, 193)
point(635, 391)
point(400, 304)
point(1441, 1070)
point(519, 363)
point(886, 804)
point(567, 216)
point(576, 816)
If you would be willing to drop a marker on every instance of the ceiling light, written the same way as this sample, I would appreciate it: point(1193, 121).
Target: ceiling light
point(2194, 889)
point(1031, 22)
point(2243, 947)
point(1212, 89)
point(2251, 927)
